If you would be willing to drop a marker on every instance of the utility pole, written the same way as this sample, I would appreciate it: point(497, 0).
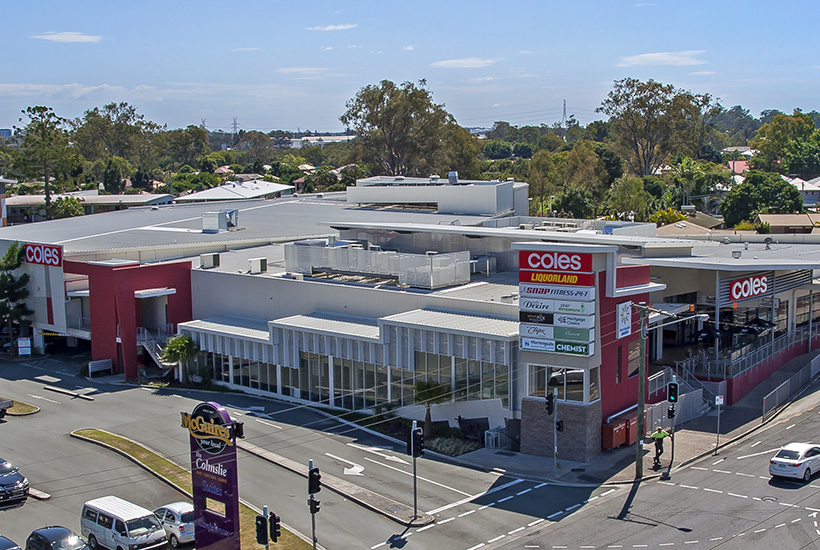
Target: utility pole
point(643, 313)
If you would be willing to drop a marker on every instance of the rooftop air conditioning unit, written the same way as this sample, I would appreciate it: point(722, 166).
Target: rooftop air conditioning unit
point(258, 265)
point(526, 226)
point(207, 261)
point(452, 177)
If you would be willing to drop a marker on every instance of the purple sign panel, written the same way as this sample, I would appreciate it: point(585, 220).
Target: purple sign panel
point(214, 476)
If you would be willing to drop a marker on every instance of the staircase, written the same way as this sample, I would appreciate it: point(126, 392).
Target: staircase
point(155, 346)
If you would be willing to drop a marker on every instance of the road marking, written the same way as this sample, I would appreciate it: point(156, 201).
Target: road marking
point(666, 483)
point(615, 546)
point(376, 451)
point(354, 470)
point(716, 538)
point(790, 427)
point(496, 539)
point(689, 486)
point(718, 461)
point(419, 477)
point(722, 471)
point(44, 399)
point(540, 485)
point(476, 546)
point(759, 453)
point(515, 531)
point(505, 499)
point(467, 513)
point(738, 496)
point(787, 504)
point(573, 507)
point(812, 509)
point(448, 520)
point(691, 542)
point(759, 531)
point(425, 528)
point(796, 520)
point(473, 497)
point(536, 522)
point(744, 475)
point(486, 506)
point(699, 468)
point(639, 546)
point(266, 423)
point(556, 514)
point(780, 525)
point(712, 490)
point(524, 492)
point(667, 544)
point(378, 545)
point(755, 444)
point(607, 492)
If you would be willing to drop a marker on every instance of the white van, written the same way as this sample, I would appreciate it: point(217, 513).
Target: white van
point(116, 524)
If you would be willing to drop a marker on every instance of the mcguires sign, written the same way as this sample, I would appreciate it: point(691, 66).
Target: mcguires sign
point(208, 428)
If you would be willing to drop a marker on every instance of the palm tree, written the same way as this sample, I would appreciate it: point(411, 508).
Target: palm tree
point(686, 173)
point(430, 393)
point(180, 349)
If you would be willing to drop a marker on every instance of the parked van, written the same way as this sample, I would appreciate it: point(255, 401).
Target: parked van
point(113, 523)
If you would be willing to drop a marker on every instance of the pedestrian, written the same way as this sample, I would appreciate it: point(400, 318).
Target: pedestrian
point(658, 436)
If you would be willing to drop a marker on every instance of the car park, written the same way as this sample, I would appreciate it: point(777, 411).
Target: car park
point(54, 538)
point(178, 520)
point(13, 485)
point(797, 460)
point(8, 544)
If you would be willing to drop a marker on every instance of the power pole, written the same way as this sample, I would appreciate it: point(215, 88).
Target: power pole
point(564, 117)
point(235, 127)
point(643, 313)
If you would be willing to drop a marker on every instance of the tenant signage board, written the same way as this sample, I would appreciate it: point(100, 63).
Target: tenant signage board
point(535, 304)
point(575, 321)
point(537, 317)
point(583, 308)
point(44, 254)
point(555, 346)
point(624, 319)
point(748, 287)
point(585, 294)
point(555, 261)
point(556, 333)
point(214, 476)
point(556, 278)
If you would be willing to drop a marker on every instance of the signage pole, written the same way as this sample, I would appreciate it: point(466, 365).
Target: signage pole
point(555, 443)
point(717, 441)
point(312, 514)
point(415, 479)
point(265, 513)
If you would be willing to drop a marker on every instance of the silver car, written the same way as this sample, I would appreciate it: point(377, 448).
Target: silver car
point(799, 460)
point(177, 519)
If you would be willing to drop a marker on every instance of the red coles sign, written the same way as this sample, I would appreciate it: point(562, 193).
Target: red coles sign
point(555, 261)
point(748, 287)
point(44, 254)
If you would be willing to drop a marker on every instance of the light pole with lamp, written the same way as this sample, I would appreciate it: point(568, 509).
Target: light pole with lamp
point(643, 311)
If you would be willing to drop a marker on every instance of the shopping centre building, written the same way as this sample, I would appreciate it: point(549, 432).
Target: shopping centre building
point(320, 299)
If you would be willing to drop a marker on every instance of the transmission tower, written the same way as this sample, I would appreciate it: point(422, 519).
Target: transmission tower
point(564, 117)
point(235, 127)
point(202, 124)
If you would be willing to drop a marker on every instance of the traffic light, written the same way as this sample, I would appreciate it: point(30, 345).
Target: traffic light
point(671, 412)
point(559, 425)
point(418, 442)
point(672, 392)
point(314, 481)
point(550, 404)
point(239, 429)
point(275, 527)
point(261, 530)
point(314, 505)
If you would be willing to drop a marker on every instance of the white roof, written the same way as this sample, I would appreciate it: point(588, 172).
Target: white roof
point(331, 324)
point(237, 190)
point(252, 329)
point(459, 324)
point(116, 506)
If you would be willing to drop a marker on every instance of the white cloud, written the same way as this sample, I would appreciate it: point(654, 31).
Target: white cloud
point(463, 63)
point(68, 37)
point(482, 79)
point(327, 48)
point(496, 105)
point(303, 71)
point(702, 73)
point(408, 48)
point(663, 58)
point(343, 27)
point(245, 49)
point(525, 52)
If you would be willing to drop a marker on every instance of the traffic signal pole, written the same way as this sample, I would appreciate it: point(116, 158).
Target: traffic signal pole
point(312, 502)
point(415, 479)
point(265, 513)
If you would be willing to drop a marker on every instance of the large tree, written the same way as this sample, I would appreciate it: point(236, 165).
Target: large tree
point(773, 138)
point(115, 130)
point(760, 192)
point(44, 146)
point(400, 128)
point(14, 290)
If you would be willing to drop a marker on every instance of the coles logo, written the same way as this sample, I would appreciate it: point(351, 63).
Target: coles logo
point(749, 287)
point(555, 261)
point(44, 254)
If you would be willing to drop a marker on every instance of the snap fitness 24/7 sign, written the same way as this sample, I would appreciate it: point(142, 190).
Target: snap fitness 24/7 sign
point(750, 287)
point(44, 254)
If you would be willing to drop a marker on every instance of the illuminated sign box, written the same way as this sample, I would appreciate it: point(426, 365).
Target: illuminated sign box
point(556, 278)
point(558, 333)
point(585, 294)
point(554, 346)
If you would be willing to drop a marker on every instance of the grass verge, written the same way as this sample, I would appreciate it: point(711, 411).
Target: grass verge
point(181, 478)
point(20, 408)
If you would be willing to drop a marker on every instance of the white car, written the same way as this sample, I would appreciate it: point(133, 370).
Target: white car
point(798, 460)
point(178, 520)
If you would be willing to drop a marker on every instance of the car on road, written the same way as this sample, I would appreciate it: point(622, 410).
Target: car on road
point(178, 520)
point(798, 460)
point(54, 537)
point(13, 484)
point(8, 544)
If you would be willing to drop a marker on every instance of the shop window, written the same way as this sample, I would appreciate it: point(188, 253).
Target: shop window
point(461, 380)
point(619, 365)
point(594, 385)
point(381, 384)
point(502, 384)
point(634, 359)
point(473, 380)
point(487, 381)
point(538, 381)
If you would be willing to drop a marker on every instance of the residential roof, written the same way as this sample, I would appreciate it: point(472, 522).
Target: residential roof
point(786, 220)
point(143, 199)
point(738, 166)
point(468, 325)
point(237, 190)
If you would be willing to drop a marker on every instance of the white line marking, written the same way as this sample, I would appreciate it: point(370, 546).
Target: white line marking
point(505, 499)
point(639, 546)
point(666, 483)
point(573, 507)
point(540, 485)
point(787, 504)
point(476, 546)
point(812, 509)
point(266, 423)
point(615, 546)
point(759, 531)
point(44, 399)
point(699, 468)
point(524, 492)
point(496, 539)
point(780, 525)
point(796, 520)
point(467, 513)
point(712, 490)
point(378, 452)
point(689, 486)
point(790, 427)
point(354, 470)
point(718, 461)
point(418, 477)
point(691, 542)
point(448, 520)
point(425, 528)
point(378, 545)
point(558, 513)
point(486, 506)
point(515, 531)
point(755, 444)
point(759, 453)
point(744, 475)
point(469, 498)
point(716, 538)
point(738, 496)
point(722, 471)
point(607, 492)
point(536, 522)
point(667, 544)
point(593, 498)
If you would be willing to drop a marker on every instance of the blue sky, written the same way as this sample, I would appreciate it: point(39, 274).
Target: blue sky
point(288, 65)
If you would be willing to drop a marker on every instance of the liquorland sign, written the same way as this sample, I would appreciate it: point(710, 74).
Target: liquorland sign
point(44, 254)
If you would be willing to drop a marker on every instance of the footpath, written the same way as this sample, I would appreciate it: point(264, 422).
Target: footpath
point(693, 440)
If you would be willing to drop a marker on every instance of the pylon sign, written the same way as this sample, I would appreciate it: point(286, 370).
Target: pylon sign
point(214, 476)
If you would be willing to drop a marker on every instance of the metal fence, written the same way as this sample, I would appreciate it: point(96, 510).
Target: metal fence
point(774, 401)
point(690, 406)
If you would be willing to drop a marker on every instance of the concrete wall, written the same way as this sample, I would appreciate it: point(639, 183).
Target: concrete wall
point(490, 198)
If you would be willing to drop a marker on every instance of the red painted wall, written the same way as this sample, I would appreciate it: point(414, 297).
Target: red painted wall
point(616, 396)
point(740, 386)
point(112, 303)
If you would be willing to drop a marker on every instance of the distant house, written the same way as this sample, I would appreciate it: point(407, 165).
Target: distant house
point(747, 152)
point(29, 208)
point(789, 224)
point(237, 190)
point(738, 166)
point(809, 190)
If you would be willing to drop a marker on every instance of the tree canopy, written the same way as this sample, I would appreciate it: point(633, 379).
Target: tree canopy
point(760, 192)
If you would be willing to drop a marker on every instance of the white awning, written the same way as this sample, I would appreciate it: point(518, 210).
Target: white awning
point(154, 292)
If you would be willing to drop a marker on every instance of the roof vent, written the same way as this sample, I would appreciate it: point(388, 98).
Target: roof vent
point(434, 178)
point(452, 177)
point(736, 254)
point(510, 179)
